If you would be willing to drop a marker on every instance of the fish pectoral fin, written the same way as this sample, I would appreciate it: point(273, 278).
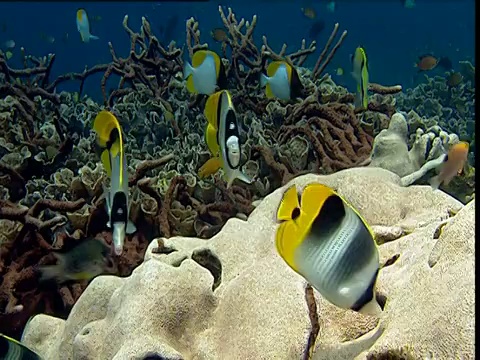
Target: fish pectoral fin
point(210, 167)
point(131, 228)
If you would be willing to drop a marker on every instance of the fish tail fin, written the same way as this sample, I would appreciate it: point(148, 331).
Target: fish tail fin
point(187, 70)
point(50, 272)
point(445, 63)
point(263, 80)
point(131, 228)
point(238, 174)
point(93, 37)
point(210, 167)
point(435, 182)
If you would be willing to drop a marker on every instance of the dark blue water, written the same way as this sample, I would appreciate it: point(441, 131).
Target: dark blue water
point(392, 35)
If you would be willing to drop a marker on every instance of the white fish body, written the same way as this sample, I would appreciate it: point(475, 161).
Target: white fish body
point(83, 26)
point(204, 76)
point(341, 261)
point(117, 201)
point(229, 142)
point(278, 83)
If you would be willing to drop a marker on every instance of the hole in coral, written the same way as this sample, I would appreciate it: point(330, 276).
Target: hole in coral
point(391, 260)
point(381, 300)
point(403, 353)
point(210, 261)
point(85, 332)
point(162, 248)
point(178, 262)
point(154, 356)
point(438, 230)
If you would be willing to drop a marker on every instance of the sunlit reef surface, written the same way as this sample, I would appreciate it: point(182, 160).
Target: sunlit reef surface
point(51, 179)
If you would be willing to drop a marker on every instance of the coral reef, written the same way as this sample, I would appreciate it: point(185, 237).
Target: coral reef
point(230, 297)
point(451, 106)
point(51, 180)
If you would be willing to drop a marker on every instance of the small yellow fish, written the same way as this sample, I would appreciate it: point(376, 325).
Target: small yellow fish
point(325, 240)
point(222, 138)
point(83, 26)
point(360, 74)
point(309, 12)
point(11, 349)
point(282, 81)
point(110, 138)
point(8, 54)
point(205, 74)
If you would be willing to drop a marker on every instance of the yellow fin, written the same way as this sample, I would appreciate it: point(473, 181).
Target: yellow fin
point(287, 239)
point(104, 124)
point(268, 91)
point(198, 57)
point(211, 140)
point(288, 203)
point(314, 196)
point(105, 157)
point(80, 13)
point(211, 110)
point(210, 167)
point(190, 85)
point(273, 67)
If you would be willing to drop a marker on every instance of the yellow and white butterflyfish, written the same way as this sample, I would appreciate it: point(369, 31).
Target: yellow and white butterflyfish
point(325, 240)
point(360, 74)
point(282, 81)
point(205, 74)
point(223, 138)
point(83, 26)
point(110, 138)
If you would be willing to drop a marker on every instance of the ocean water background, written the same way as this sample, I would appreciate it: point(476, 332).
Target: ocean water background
point(392, 35)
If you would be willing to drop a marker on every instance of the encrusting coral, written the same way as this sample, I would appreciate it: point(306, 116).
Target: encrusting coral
point(51, 180)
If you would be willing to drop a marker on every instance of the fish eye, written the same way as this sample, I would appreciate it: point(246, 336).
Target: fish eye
point(295, 213)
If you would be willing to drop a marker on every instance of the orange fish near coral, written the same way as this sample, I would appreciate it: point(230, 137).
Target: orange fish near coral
point(453, 164)
point(429, 62)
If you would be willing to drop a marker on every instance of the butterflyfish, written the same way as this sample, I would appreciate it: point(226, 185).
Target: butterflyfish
point(205, 74)
point(84, 261)
point(360, 74)
point(282, 81)
point(11, 349)
point(110, 138)
point(325, 240)
point(83, 26)
point(223, 138)
point(452, 165)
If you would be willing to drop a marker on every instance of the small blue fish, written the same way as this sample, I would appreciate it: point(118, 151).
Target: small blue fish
point(83, 26)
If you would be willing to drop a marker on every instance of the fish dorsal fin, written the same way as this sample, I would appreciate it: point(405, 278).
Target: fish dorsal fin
point(110, 136)
point(313, 198)
point(80, 13)
point(106, 161)
point(273, 67)
point(190, 84)
point(212, 109)
point(288, 204)
point(198, 57)
point(211, 139)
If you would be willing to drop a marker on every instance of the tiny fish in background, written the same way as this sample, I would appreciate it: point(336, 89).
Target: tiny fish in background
point(223, 139)
point(110, 138)
point(83, 26)
point(205, 74)
point(453, 165)
point(339, 71)
point(282, 81)
point(325, 240)
point(454, 79)
point(219, 34)
point(360, 74)
point(11, 349)
point(309, 12)
point(9, 44)
point(84, 261)
point(331, 6)
point(8, 54)
point(429, 62)
point(408, 4)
